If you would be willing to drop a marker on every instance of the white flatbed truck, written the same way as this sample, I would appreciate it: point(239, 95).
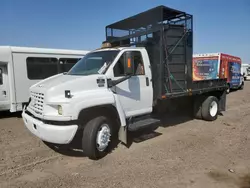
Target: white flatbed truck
point(125, 85)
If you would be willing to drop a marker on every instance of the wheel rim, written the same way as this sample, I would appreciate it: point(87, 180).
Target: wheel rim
point(213, 108)
point(103, 137)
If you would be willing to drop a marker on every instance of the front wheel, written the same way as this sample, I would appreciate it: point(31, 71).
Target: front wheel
point(98, 136)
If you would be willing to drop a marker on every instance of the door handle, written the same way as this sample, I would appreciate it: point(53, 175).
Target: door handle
point(147, 81)
point(4, 93)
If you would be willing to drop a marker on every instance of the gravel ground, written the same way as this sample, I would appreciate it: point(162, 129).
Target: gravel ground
point(181, 153)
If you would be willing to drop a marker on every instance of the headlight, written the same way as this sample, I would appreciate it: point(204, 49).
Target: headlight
point(60, 111)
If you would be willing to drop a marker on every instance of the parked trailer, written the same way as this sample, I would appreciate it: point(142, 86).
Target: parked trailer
point(144, 68)
point(218, 65)
point(22, 67)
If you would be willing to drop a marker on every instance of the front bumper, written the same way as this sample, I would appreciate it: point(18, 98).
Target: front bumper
point(51, 133)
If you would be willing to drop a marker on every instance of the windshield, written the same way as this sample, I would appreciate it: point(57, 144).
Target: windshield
point(94, 63)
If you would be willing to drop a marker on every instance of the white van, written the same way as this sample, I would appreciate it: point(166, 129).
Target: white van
point(22, 67)
point(245, 70)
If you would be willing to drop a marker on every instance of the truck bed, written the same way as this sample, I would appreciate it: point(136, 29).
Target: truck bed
point(200, 87)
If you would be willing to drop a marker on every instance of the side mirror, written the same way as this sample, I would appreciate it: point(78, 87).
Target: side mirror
point(129, 63)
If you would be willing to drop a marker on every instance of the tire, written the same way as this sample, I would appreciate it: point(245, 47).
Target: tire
point(90, 134)
point(210, 108)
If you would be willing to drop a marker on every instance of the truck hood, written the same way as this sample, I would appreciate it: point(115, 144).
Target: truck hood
point(54, 87)
point(53, 81)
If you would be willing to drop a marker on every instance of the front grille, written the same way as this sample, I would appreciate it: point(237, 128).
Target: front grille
point(36, 103)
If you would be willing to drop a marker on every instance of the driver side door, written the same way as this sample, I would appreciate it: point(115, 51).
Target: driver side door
point(135, 94)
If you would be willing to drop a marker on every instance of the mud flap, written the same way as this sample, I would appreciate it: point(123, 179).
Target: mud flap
point(222, 101)
point(122, 135)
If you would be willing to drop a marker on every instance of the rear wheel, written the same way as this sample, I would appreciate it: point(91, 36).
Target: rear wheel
point(98, 136)
point(210, 108)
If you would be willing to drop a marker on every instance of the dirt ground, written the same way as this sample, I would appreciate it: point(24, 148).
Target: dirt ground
point(181, 153)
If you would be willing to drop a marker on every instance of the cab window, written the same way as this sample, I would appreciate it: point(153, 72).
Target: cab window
point(138, 65)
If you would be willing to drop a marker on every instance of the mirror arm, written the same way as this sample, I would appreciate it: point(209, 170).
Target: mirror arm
point(112, 83)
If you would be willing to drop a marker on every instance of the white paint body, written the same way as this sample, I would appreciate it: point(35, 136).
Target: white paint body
point(130, 98)
point(14, 91)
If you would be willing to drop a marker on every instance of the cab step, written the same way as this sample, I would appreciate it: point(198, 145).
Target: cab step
point(142, 123)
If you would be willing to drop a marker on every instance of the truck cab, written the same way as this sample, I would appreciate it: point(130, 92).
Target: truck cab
point(113, 81)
